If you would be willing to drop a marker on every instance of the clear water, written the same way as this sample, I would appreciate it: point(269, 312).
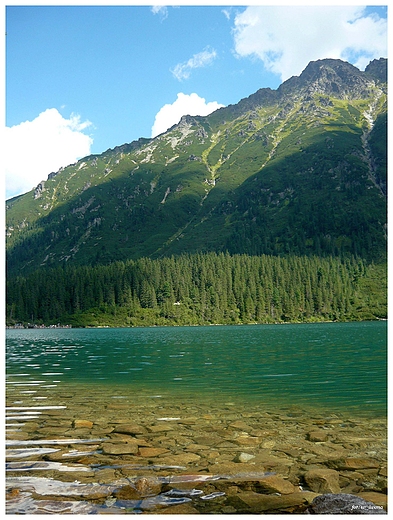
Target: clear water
point(337, 366)
point(201, 396)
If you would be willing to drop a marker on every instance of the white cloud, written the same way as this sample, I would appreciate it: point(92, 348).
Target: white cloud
point(201, 59)
point(161, 10)
point(185, 104)
point(226, 13)
point(36, 148)
point(287, 38)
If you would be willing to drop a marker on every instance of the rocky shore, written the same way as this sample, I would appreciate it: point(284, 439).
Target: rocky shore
point(118, 454)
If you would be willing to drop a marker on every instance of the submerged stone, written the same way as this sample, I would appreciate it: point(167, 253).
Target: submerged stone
point(260, 503)
point(343, 504)
point(379, 499)
point(244, 457)
point(159, 428)
point(180, 509)
point(276, 484)
point(323, 480)
point(148, 486)
point(317, 436)
point(119, 448)
point(130, 429)
point(355, 463)
point(152, 452)
point(82, 423)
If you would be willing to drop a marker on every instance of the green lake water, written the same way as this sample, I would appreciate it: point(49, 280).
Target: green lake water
point(334, 366)
point(113, 421)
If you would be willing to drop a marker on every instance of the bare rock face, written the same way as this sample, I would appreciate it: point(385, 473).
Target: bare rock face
point(331, 77)
point(39, 189)
point(343, 504)
point(378, 69)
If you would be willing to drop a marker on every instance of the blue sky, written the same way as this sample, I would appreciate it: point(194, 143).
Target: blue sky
point(80, 80)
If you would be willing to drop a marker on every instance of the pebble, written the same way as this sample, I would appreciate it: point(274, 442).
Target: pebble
point(244, 457)
point(82, 423)
point(152, 452)
point(318, 436)
point(119, 448)
point(130, 429)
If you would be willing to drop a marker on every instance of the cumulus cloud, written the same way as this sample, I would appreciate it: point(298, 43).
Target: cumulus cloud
point(201, 59)
point(33, 149)
point(287, 38)
point(161, 10)
point(185, 104)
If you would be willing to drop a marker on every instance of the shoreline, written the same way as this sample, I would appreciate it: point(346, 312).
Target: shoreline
point(309, 322)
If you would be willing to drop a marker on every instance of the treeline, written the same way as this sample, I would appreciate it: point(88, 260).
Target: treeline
point(200, 289)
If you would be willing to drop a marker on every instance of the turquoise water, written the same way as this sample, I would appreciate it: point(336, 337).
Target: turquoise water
point(338, 366)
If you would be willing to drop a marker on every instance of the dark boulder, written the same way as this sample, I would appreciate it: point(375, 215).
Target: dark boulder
point(343, 504)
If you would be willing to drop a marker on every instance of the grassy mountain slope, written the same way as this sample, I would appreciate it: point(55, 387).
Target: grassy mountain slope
point(299, 170)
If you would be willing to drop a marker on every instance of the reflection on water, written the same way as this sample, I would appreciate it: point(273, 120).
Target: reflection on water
point(197, 410)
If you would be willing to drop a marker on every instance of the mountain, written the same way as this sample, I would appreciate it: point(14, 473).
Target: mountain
point(300, 170)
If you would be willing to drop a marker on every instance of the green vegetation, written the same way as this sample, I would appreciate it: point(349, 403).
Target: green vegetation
point(270, 210)
point(201, 289)
point(281, 172)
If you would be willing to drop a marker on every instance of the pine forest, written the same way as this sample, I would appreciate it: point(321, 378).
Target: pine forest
point(201, 289)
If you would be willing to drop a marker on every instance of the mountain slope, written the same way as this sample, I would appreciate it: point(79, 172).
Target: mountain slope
point(297, 170)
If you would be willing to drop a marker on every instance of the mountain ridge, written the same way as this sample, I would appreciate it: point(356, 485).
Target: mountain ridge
point(258, 177)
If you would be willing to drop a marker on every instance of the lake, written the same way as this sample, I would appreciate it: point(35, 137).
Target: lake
point(182, 387)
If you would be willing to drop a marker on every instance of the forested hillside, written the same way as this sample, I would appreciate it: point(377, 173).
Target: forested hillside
point(201, 289)
point(294, 177)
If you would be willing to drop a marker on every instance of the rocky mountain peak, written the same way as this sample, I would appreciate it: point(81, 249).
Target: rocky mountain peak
point(258, 177)
point(332, 77)
point(378, 70)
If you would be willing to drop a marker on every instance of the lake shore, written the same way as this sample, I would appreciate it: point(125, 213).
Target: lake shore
point(22, 326)
point(131, 454)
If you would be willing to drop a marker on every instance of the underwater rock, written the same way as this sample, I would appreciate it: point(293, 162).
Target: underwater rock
point(323, 480)
point(148, 486)
point(109, 448)
point(82, 423)
point(152, 452)
point(141, 488)
point(130, 429)
point(354, 463)
point(276, 484)
point(259, 503)
point(317, 436)
point(243, 457)
point(343, 504)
